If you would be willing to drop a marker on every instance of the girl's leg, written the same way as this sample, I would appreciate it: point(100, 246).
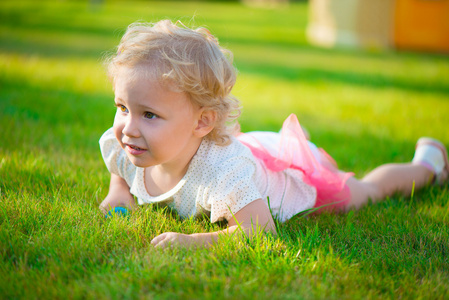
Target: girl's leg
point(429, 163)
point(387, 180)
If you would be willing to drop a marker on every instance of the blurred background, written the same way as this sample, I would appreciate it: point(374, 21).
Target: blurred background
point(366, 78)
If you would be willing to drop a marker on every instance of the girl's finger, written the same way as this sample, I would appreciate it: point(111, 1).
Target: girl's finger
point(165, 243)
point(161, 244)
point(158, 239)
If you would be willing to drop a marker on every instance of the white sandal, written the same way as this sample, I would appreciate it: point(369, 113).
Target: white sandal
point(432, 154)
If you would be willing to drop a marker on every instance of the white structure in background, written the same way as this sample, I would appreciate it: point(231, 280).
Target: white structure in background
point(380, 24)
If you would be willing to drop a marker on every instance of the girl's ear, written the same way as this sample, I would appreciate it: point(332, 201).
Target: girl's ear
point(206, 122)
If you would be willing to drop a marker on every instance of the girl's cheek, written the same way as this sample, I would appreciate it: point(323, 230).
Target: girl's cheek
point(119, 121)
point(118, 126)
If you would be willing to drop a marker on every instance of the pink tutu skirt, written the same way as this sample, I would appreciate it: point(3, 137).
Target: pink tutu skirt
point(295, 152)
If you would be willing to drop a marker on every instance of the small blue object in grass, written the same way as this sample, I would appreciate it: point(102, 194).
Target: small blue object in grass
point(118, 211)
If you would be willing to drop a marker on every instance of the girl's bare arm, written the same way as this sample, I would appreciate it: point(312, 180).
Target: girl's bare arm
point(253, 218)
point(118, 195)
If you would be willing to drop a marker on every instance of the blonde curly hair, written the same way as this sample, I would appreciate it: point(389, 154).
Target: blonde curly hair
point(191, 60)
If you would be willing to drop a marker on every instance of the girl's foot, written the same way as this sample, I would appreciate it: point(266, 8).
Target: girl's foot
point(432, 154)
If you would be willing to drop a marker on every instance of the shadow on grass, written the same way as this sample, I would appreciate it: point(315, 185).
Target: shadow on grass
point(311, 75)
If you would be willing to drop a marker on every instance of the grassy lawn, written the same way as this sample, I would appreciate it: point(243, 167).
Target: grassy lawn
point(364, 108)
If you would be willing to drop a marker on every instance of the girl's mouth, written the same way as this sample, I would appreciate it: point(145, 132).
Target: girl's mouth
point(134, 150)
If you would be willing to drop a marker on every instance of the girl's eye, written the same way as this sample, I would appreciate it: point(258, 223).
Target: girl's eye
point(150, 115)
point(122, 108)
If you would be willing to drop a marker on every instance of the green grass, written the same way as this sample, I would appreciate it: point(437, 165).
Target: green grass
point(364, 108)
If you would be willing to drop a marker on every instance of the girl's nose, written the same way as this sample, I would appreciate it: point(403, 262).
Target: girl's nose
point(131, 128)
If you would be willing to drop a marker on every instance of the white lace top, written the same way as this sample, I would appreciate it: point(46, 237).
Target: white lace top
point(220, 181)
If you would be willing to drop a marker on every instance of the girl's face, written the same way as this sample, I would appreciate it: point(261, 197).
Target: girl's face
point(154, 125)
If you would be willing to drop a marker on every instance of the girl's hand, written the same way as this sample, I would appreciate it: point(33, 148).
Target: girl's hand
point(253, 218)
point(174, 239)
point(118, 196)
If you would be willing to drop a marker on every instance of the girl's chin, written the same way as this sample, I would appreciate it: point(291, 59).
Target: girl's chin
point(139, 162)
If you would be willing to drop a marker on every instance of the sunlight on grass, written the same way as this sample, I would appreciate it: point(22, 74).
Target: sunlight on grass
point(85, 76)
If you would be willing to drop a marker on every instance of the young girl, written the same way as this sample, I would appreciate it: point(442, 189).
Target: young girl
point(174, 142)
